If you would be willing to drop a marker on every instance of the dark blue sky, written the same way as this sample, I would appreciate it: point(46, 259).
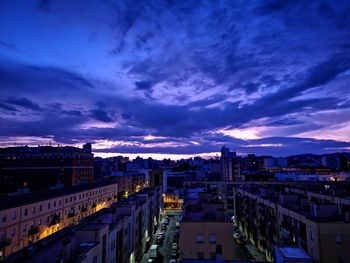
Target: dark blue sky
point(177, 77)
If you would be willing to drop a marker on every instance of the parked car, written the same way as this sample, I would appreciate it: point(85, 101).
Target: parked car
point(161, 234)
point(172, 260)
point(236, 235)
point(163, 227)
point(174, 246)
point(174, 253)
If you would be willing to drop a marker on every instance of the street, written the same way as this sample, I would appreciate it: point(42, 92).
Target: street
point(165, 248)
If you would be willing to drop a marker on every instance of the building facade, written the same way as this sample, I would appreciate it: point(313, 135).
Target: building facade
point(27, 166)
point(118, 234)
point(286, 214)
point(30, 217)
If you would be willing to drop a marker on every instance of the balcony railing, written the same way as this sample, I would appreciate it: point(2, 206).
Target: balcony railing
point(71, 214)
point(55, 220)
point(84, 209)
point(5, 242)
point(33, 230)
point(93, 205)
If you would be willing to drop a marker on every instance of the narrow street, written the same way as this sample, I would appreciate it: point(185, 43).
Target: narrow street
point(165, 248)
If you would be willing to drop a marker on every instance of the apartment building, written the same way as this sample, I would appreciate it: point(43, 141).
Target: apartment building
point(144, 208)
point(205, 229)
point(206, 240)
point(314, 217)
point(43, 167)
point(30, 217)
point(115, 234)
point(230, 165)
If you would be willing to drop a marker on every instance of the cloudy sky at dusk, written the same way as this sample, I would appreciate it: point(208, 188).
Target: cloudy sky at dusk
point(177, 77)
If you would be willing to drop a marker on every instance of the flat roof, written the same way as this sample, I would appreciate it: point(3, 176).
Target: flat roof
point(33, 197)
point(293, 252)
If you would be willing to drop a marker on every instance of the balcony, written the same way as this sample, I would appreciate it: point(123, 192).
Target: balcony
point(93, 205)
point(84, 209)
point(5, 242)
point(55, 220)
point(33, 230)
point(109, 198)
point(71, 214)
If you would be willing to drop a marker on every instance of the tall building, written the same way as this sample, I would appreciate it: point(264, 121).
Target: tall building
point(230, 165)
point(43, 167)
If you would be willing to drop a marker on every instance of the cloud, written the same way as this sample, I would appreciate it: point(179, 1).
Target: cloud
point(23, 102)
point(179, 71)
point(101, 115)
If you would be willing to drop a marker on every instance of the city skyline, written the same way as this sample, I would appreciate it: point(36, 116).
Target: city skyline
point(177, 79)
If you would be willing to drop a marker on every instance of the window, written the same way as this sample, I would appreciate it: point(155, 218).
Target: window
point(25, 211)
point(14, 215)
point(4, 219)
point(40, 207)
point(33, 210)
point(311, 235)
point(54, 204)
point(339, 239)
point(48, 206)
point(212, 255)
point(200, 238)
point(212, 238)
point(200, 255)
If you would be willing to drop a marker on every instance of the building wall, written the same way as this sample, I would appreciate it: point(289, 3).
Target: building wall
point(190, 246)
point(334, 242)
point(267, 223)
point(46, 217)
point(27, 166)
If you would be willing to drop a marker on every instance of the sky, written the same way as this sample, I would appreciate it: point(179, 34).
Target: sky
point(176, 78)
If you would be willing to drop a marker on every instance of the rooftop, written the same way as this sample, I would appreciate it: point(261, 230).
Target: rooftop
point(29, 198)
point(293, 252)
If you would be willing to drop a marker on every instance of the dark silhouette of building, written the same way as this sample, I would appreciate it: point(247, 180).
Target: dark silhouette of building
point(43, 167)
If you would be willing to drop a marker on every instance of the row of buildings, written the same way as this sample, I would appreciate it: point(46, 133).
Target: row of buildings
point(27, 218)
point(119, 233)
point(314, 217)
point(252, 167)
point(310, 218)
